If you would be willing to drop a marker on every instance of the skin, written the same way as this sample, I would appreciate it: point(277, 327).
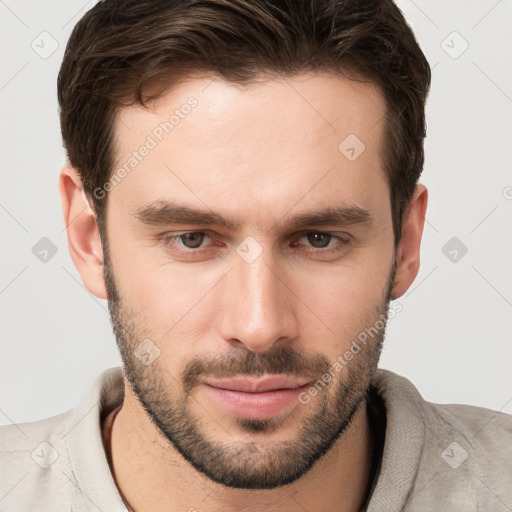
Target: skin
point(257, 154)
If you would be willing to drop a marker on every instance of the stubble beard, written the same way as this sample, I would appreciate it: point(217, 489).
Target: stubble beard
point(259, 463)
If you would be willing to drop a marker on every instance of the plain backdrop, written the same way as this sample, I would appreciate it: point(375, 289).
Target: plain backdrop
point(453, 338)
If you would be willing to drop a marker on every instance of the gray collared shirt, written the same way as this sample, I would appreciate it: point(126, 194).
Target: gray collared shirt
point(436, 457)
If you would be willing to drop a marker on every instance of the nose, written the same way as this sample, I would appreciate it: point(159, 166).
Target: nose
point(257, 306)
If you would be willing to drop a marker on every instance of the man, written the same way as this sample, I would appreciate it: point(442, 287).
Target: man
point(243, 189)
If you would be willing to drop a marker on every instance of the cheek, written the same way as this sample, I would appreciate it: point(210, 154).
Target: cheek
point(340, 303)
point(170, 300)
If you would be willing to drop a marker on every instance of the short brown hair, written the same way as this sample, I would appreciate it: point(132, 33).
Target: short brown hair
point(120, 48)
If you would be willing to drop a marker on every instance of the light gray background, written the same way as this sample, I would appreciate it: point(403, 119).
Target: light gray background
point(453, 337)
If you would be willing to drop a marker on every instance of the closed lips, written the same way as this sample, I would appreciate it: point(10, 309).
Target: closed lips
point(260, 385)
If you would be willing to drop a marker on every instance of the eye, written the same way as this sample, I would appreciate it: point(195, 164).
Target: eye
point(319, 240)
point(192, 240)
point(185, 242)
point(325, 242)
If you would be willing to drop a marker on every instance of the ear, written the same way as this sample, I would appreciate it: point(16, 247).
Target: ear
point(84, 241)
point(408, 253)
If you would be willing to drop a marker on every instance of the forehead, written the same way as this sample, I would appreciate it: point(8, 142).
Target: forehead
point(308, 138)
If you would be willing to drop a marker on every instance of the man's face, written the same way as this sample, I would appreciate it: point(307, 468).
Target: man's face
point(274, 291)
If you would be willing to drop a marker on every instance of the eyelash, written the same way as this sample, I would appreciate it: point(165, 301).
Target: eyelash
point(169, 240)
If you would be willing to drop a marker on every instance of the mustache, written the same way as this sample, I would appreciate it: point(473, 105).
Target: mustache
point(282, 360)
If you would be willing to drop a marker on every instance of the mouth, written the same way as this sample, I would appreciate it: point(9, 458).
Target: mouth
point(256, 398)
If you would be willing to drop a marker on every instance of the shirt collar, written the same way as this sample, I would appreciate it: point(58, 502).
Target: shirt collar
point(404, 441)
point(85, 447)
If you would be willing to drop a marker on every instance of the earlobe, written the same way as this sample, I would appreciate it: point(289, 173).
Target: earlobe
point(84, 241)
point(408, 251)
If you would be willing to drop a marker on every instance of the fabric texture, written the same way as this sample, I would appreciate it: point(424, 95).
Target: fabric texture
point(435, 457)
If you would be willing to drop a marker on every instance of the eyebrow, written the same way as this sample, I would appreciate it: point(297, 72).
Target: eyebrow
point(167, 213)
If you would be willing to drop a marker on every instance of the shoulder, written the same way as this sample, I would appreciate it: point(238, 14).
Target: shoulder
point(483, 426)
point(469, 455)
point(47, 464)
point(452, 455)
point(19, 436)
point(34, 456)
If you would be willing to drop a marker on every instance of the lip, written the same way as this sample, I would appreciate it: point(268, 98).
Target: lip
point(256, 385)
point(256, 398)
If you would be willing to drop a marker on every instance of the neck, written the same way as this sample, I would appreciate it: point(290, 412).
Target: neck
point(152, 476)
